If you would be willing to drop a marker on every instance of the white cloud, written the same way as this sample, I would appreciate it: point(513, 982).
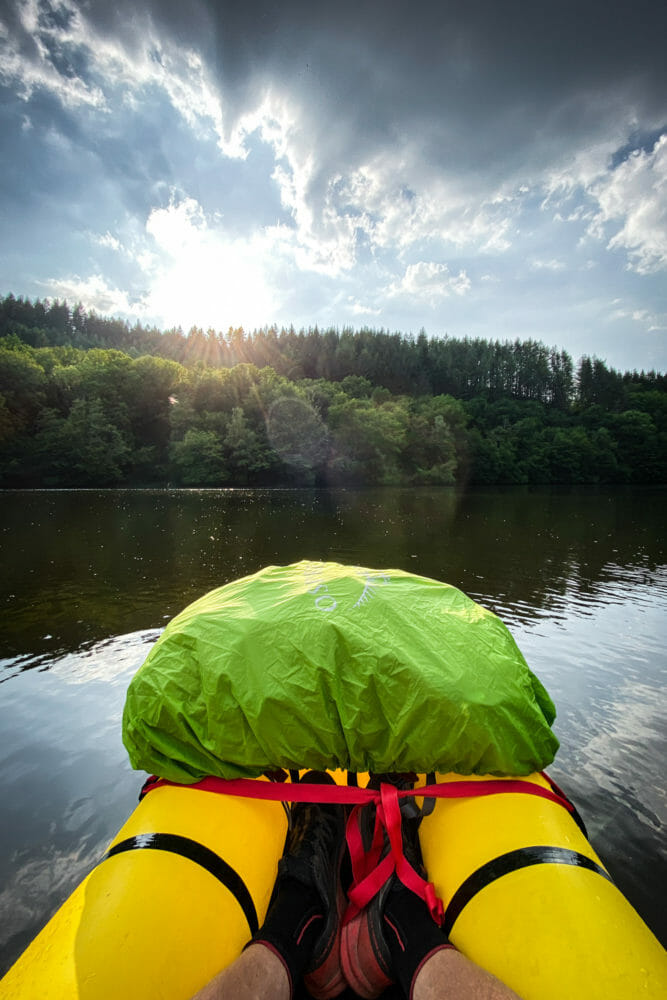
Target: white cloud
point(108, 241)
point(652, 322)
point(578, 171)
point(430, 282)
point(357, 308)
point(625, 205)
point(547, 265)
point(189, 271)
point(398, 203)
point(376, 189)
point(580, 212)
point(390, 201)
point(113, 73)
point(325, 239)
point(40, 71)
point(635, 194)
point(94, 293)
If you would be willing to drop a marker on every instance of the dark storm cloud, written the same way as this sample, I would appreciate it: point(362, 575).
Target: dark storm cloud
point(487, 87)
point(484, 49)
point(479, 85)
point(482, 92)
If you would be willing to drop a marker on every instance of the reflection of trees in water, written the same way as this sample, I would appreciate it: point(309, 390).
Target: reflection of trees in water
point(547, 546)
point(80, 566)
point(517, 548)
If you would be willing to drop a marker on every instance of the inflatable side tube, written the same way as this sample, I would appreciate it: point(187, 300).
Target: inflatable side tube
point(180, 891)
point(527, 898)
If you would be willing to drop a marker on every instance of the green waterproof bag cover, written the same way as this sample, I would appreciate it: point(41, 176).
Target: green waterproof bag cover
point(320, 665)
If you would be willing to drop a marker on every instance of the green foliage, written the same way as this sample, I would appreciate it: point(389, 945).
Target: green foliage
point(86, 400)
point(7, 421)
point(298, 435)
point(437, 445)
point(197, 460)
point(82, 449)
point(367, 440)
point(357, 386)
point(248, 454)
point(22, 380)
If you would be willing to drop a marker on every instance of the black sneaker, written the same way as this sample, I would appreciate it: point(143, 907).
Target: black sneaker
point(313, 856)
point(395, 922)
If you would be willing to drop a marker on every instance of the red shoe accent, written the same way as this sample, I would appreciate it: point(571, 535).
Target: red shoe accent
point(328, 980)
point(359, 960)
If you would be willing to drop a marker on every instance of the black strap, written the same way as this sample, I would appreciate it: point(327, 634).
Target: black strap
point(511, 862)
point(202, 856)
point(428, 805)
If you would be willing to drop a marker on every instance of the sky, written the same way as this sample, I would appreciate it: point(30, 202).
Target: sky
point(479, 168)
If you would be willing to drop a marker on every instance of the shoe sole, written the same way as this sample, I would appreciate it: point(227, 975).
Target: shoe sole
point(358, 959)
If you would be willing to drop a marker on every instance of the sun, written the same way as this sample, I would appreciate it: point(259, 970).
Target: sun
point(200, 275)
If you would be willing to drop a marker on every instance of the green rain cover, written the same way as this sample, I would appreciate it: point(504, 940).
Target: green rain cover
point(321, 665)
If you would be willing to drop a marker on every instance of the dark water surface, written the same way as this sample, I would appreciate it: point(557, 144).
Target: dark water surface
point(90, 578)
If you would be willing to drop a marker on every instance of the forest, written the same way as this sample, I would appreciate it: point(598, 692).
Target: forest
point(89, 401)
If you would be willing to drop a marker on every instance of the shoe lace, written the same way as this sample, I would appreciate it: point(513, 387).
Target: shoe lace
point(315, 825)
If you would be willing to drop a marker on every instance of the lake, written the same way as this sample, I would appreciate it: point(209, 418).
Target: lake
point(90, 578)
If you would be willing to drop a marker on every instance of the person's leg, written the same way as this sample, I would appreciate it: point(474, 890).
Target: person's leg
point(302, 926)
point(395, 939)
point(424, 962)
point(257, 974)
point(301, 931)
point(449, 975)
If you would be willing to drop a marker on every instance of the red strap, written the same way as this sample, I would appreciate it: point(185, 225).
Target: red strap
point(370, 870)
point(350, 795)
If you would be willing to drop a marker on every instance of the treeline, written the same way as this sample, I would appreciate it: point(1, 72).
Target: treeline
point(88, 401)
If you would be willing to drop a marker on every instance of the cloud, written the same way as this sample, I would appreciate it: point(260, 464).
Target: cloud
point(107, 240)
point(451, 82)
point(62, 49)
point(187, 270)
point(441, 141)
point(357, 308)
point(39, 54)
point(397, 203)
point(652, 322)
point(95, 293)
point(635, 195)
point(430, 282)
point(547, 265)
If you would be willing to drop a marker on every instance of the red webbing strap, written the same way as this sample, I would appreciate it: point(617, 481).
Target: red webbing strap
point(370, 870)
point(352, 795)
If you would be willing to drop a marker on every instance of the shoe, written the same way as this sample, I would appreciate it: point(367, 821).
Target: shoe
point(314, 854)
point(365, 954)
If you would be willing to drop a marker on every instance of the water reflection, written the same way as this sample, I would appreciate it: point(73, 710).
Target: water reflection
point(65, 780)
point(83, 565)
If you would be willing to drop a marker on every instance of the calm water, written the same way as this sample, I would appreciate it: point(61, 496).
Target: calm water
point(90, 578)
